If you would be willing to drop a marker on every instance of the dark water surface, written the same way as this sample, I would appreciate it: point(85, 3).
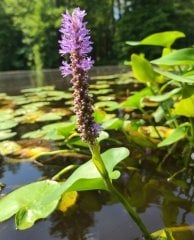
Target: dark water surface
point(96, 216)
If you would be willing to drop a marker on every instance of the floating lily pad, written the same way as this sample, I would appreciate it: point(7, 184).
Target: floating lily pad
point(8, 124)
point(38, 89)
point(99, 86)
point(55, 131)
point(101, 92)
point(5, 116)
point(106, 98)
point(108, 105)
point(39, 116)
point(9, 147)
point(6, 134)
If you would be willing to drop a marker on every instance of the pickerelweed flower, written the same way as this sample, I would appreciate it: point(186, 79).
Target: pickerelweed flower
point(75, 41)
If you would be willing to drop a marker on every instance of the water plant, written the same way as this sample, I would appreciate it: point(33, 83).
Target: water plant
point(154, 116)
point(43, 196)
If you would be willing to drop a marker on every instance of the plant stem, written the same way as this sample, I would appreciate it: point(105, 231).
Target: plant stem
point(97, 160)
point(63, 171)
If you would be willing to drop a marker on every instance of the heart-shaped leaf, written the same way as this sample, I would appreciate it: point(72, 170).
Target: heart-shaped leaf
point(37, 200)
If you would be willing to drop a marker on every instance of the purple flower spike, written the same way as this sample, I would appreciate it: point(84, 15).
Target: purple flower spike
point(75, 41)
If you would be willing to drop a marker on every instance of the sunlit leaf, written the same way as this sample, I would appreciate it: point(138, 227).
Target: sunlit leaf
point(101, 116)
point(134, 101)
point(99, 86)
point(143, 71)
point(9, 147)
point(5, 116)
point(178, 57)
point(6, 134)
point(115, 124)
point(156, 132)
point(176, 135)
point(31, 208)
point(133, 134)
point(38, 89)
point(101, 92)
point(43, 196)
point(164, 39)
point(165, 96)
point(105, 77)
point(185, 107)
point(108, 105)
point(30, 152)
point(159, 114)
point(175, 77)
point(40, 116)
point(8, 124)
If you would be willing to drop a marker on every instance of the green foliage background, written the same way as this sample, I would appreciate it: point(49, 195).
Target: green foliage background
point(29, 29)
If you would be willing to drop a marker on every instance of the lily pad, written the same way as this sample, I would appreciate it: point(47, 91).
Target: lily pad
point(6, 134)
point(9, 147)
point(8, 124)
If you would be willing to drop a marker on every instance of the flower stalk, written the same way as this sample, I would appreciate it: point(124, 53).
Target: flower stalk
point(75, 41)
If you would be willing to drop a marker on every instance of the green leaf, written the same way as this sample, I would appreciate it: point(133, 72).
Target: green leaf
point(134, 102)
point(108, 105)
point(115, 124)
point(175, 77)
point(30, 208)
point(8, 124)
point(6, 134)
point(37, 200)
point(185, 107)
point(178, 134)
point(164, 96)
point(9, 147)
point(178, 57)
point(142, 70)
point(164, 39)
point(86, 177)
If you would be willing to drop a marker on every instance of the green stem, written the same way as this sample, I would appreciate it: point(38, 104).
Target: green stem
point(97, 160)
point(63, 171)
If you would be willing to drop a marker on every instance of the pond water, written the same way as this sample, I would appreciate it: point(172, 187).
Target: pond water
point(95, 216)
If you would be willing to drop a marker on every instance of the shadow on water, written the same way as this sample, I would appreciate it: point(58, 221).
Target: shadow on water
point(96, 216)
